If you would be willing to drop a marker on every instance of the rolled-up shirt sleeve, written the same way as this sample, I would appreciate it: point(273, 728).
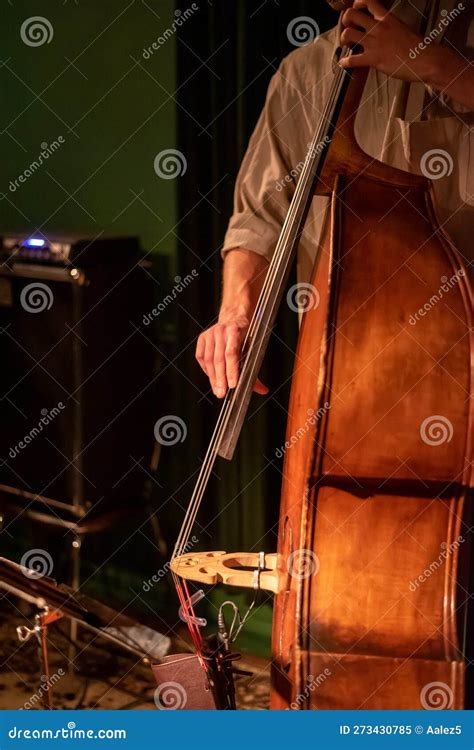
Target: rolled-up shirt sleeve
point(264, 186)
point(275, 156)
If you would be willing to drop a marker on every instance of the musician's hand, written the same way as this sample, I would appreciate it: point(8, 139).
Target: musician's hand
point(218, 351)
point(340, 4)
point(387, 44)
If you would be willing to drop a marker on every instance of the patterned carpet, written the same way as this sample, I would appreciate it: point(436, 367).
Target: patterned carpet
point(98, 676)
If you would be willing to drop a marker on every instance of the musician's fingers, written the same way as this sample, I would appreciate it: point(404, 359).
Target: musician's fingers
point(375, 8)
point(232, 354)
point(358, 19)
point(209, 359)
point(352, 36)
point(220, 385)
point(259, 388)
point(355, 61)
point(200, 350)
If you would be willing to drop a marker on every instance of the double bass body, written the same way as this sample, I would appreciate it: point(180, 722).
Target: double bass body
point(372, 571)
point(373, 537)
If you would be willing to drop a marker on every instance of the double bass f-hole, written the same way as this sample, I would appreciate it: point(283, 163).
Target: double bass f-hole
point(287, 540)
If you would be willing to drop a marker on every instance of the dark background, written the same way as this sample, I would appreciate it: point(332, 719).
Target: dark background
point(200, 93)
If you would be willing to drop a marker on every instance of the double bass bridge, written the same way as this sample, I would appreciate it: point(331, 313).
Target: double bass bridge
point(252, 570)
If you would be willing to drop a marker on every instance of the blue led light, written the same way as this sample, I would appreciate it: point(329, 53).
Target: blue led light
point(34, 242)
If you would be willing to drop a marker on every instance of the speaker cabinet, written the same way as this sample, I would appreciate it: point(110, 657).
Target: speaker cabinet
point(77, 375)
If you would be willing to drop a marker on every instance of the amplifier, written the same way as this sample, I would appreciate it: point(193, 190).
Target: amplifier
point(77, 371)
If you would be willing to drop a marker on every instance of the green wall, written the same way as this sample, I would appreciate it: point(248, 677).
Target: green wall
point(109, 114)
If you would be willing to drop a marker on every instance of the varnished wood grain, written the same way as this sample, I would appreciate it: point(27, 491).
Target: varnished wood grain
point(363, 491)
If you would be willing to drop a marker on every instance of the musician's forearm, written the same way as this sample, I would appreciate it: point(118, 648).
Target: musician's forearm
point(218, 347)
point(244, 274)
point(452, 75)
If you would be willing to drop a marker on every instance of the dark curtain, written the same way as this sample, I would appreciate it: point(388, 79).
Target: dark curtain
point(227, 52)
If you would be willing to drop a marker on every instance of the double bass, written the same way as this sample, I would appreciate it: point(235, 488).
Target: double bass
point(372, 572)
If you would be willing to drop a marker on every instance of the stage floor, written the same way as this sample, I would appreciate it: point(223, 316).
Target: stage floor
point(98, 676)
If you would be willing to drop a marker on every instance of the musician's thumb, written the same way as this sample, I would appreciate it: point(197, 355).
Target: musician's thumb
point(260, 388)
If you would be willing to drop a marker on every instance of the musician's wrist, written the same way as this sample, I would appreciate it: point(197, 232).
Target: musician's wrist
point(239, 315)
point(442, 66)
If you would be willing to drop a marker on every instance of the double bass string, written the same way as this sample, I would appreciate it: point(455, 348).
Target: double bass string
point(200, 486)
point(257, 322)
point(323, 127)
point(325, 122)
point(255, 342)
point(260, 320)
